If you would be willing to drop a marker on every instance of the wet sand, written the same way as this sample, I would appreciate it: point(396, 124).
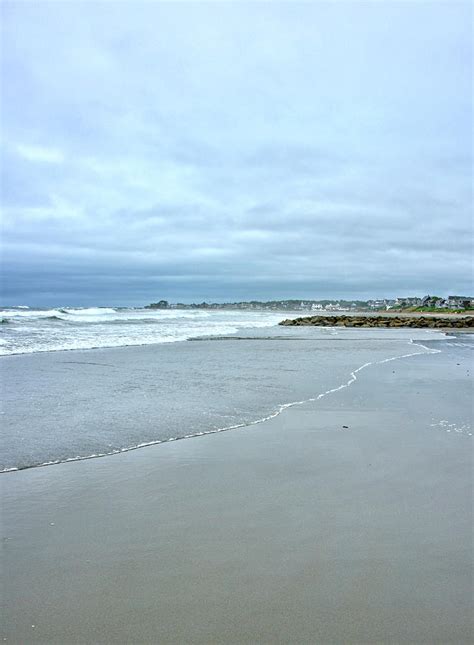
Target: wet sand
point(294, 531)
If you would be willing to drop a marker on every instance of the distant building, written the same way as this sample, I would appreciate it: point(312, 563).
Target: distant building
point(451, 302)
point(432, 301)
point(459, 302)
point(380, 304)
point(408, 302)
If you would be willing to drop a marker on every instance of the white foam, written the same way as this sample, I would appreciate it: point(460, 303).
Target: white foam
point(460, 345)
point(30, 313)
point(463, 429)
point(33, 331)
point(89, 311)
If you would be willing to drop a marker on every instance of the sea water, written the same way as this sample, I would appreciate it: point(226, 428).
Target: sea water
point(68, 405)
point(26, 330)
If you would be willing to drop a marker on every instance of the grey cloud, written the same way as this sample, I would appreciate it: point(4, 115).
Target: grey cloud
point(235, 151)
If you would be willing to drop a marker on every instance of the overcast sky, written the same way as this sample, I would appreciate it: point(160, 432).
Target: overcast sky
point(226, 151)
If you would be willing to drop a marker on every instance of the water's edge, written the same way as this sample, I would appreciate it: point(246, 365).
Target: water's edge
point(279, 410)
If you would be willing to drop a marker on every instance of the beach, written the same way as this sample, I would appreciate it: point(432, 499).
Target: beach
point(344, 519)
point(236, 323)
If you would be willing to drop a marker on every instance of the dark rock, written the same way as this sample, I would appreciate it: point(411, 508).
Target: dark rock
point(432, 322)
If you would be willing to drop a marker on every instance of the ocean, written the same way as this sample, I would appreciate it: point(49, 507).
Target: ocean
point(27, 330)
point(140, 377)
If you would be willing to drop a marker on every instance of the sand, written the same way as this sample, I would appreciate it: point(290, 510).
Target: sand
point(294, 531)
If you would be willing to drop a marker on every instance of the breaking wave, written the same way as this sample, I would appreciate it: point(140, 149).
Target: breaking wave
point(70, 328)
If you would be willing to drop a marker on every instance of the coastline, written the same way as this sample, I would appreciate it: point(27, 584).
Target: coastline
point(298, 530)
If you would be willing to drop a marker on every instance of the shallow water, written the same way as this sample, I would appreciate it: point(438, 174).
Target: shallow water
point(62, 406)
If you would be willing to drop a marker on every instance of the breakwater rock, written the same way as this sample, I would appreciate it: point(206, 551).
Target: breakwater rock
point(433, 322)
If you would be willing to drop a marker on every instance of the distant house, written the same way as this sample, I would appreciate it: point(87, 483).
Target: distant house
point(432, 301)
point(408, 302)
point(459, 302)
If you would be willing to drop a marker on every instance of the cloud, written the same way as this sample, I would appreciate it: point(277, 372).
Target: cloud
point(226, 151)
point(40, 154)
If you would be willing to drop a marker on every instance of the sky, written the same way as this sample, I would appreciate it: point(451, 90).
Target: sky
point(228, 151)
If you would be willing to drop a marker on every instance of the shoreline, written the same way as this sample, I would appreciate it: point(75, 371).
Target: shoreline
point(280, 409)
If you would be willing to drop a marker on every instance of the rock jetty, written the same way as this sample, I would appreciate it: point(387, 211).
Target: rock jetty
point(433, 322)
